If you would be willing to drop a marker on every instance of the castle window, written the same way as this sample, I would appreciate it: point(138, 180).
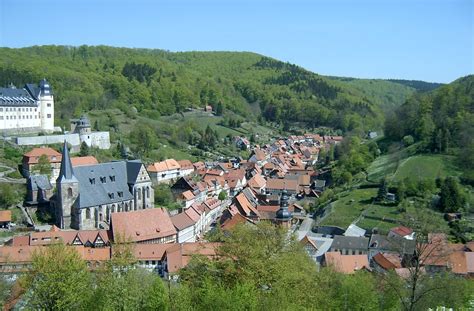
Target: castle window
point(1, 117)
point(1, 109)
point(49, 116)
point(49, 105)
point(36, 109)
point(111, 195)
point(148, 192)
point(120, 194)
point(69, 192)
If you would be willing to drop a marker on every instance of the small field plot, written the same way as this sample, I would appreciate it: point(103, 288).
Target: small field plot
point(426, 167)
point(348, 208)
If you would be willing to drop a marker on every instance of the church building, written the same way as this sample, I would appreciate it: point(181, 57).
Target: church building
point(28, 109)
point(86, 196)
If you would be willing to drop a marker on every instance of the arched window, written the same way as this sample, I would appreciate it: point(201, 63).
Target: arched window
point(113, 208)
point(126, 206)
point(69, 192)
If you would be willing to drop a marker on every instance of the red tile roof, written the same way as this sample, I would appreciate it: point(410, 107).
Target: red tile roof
point(5, 216)
point(32, 157)
point(179, 255)
point(402, 231)
point(182, 221)
point(142, 225)
point(143, 251)
point(79, 161)
point(346, 263)
point(163, 166)
point(257, 181)
point(186, 165)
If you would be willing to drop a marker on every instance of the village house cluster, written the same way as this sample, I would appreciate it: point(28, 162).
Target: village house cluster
point(96, 204)
point(101, 201)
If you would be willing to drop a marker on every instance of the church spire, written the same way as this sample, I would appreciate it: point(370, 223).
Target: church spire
point(66, 173)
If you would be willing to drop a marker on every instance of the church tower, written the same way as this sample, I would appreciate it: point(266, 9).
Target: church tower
point(67, 187)
point(46, 103)
point(283, 215)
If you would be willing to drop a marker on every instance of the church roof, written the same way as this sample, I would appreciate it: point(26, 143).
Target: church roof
point(39, 182)
point(66, 173)
point(133, 169)
point(103, 183)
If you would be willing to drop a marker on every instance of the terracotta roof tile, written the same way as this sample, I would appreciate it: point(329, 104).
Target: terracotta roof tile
point(163, 166)
point(346, 263)
point(5, 216)
point(143, 225)
point(79, 161)
point(182, 221)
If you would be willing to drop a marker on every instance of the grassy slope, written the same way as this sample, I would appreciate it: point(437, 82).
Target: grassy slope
point(426, 167)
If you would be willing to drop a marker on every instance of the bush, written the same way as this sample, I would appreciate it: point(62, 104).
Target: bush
point(408, 140)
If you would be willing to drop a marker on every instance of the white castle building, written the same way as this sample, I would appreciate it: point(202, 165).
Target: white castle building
point(28, 109)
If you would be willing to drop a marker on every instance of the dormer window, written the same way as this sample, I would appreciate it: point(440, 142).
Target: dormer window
point(103, 179)
point(112, 178)
point(111, 195)
point(92, 181)
point(120, 194)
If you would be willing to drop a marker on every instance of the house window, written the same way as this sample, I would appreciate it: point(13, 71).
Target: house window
point(49, 116)
point(48, 105)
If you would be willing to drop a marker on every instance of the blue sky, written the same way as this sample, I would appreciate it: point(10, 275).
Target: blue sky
point(429, 40)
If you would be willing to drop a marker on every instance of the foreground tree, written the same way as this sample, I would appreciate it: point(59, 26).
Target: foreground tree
point(419, 289)
point(59, 280)
point(43, 167)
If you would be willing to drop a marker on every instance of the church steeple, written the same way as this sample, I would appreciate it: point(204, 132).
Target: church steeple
point(66, 173)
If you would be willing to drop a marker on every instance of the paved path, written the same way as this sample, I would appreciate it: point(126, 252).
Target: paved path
point(5, 179)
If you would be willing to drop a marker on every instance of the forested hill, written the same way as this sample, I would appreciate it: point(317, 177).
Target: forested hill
point(443, 120)
point(157, 82)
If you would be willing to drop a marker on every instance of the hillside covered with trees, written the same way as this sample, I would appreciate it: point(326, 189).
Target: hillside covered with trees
point(441, 120)
point(156, 83)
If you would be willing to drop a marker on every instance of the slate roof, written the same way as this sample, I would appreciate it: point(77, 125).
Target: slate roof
point(350, 242)
point(12, 97)
point(394, 244)
point(39, 182)
point(133, 169)
point(66, 173)
point(94, 191)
